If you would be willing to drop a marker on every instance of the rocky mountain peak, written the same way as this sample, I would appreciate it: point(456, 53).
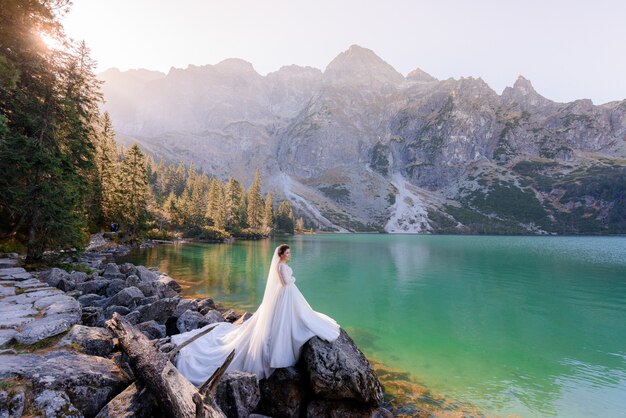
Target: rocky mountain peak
point(235, 65)
point(420, 75)
point(360, 65)
point(524, 94)
point(524, 86)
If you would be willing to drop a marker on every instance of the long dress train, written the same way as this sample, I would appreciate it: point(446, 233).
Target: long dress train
point(272, 338)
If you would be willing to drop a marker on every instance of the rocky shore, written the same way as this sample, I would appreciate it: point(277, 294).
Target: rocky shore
point(58, 359)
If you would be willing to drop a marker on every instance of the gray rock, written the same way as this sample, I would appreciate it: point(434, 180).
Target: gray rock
point(8, 262)
point(6, 336)
point(159, 311)
point(43, 328)
point(171, 283)
point(89, 381)
point(122, 310)
point(136, 401)
point(115, 286)
point(59, 303)
point(54, 403)
point(190, 320)
point(74, 293)
point(230, 316)
point(213, 316)
point(111, 269)
point(133, 317)
point(126, 296)
point(66, 285)
point(94, 341)
point(164, 291)
point(92, 316)
point(4, 404)
point(17, 404)
point(185, 305)
point(30, 283)
point(205, 305)
point(146, 275)
point(238, 394)
point(322, 408)
point(7, 291)
point(143, 301)
point(339, 370)
point(30, 297)
point(14, 273)
point(89, 299)
point(78, 277)
point(152, 329)
point(128, 269)
point(54, 276)
point(283, 394)
point(148, 288)
point(93, 286)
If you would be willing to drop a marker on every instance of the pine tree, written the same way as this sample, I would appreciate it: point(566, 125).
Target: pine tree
point(268, 219)
point(284, 217)
point(216, 204)
point(107, 166)
point(255, 203)
point(133, 170)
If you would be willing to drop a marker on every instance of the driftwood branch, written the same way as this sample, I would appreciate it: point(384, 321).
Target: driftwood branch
point(176, 395)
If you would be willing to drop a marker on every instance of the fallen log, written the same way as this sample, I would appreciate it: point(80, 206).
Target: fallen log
point(176, 395)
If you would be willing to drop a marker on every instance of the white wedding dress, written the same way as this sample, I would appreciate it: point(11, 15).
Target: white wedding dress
point(272, 338)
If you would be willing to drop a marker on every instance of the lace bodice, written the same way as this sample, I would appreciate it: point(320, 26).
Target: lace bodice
point(286, 273)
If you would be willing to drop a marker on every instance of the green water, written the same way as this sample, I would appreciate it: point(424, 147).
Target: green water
point(531, 326)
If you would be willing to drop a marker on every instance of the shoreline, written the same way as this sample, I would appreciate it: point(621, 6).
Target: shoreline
point(405, 396)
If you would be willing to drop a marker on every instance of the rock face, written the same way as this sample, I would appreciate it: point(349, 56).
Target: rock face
point(238, 394)
point(283, 394)
point(339, 370)
point(89, 381)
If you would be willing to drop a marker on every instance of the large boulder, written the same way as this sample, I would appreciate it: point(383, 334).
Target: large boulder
point(169, 282)
point(238, 394)
point(89, 381)
point(94, 341)
point(146, 275)
point(115, 286)
point(112, 271)
point(148, 288)
point(283, 394)
point(213, 316)
point(60, 312)
point(185, 305)
point(152, 329)
point(190, 320)
point(54, 276)
point(90, 299)
point(92, 316)
point(56, 404)
point(125, 297)
point(158, 311)
point(339, 370)
point(97, 286)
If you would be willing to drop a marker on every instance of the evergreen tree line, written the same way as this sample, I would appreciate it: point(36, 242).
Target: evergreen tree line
point(187, 200)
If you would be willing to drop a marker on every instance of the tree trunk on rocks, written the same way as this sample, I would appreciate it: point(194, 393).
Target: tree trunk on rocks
point(178, 397)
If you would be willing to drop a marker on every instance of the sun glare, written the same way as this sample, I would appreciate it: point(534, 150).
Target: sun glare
point(50, 41)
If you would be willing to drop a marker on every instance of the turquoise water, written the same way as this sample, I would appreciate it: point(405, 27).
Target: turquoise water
point(528, 326)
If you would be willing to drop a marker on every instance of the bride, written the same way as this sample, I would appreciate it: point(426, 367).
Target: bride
point(272, 338)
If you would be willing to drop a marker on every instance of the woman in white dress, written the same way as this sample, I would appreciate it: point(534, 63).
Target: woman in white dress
point(272, 338)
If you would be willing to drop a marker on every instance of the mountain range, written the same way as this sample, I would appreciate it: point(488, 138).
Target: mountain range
point(360, 147)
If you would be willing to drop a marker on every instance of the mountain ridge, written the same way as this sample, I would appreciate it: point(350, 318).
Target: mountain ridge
point(352, 138)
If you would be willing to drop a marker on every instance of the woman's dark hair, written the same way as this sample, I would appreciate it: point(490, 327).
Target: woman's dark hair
point(282, 248)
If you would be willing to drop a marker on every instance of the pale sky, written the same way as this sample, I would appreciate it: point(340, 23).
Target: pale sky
point(568, 49)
